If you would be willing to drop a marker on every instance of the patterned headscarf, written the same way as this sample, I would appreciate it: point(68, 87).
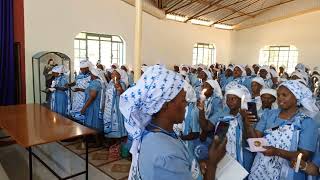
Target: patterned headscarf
point(155, 87)
point(302, 94)
point(301, 67)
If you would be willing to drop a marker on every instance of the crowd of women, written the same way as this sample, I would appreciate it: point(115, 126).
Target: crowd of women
point(172, 117)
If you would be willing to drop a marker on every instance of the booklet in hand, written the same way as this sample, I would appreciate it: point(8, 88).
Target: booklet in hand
point(256, 144)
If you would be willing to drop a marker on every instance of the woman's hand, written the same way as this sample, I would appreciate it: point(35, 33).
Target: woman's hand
point(217, 151)
point(82, 111)
point(200, 105)
point(270, 151)
point(248, 117)
point(294, 162)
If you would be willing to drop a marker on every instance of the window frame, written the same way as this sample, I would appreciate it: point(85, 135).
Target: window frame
point(211, 53)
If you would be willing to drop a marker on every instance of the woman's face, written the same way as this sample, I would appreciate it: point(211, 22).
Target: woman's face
point(115, 75)
point(185, 69)
point(177, 107)
point(263, 73)
point(267, 100)
point(55, 74)
point(256, 87)
point(248, 71)
point(233, 102)
point(202, 75)
point(286, 99)
point(237, 72)
point(209, 89)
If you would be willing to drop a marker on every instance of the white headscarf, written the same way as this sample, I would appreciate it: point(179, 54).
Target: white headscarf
point(85, 64)
point(244, 73)
point(274, 73)
point(123, 76)
point(208, 73)
point(239, 91)
point(184, 66)
point(216, 87)
point(59, 69)
point(301, 75)
point(265, 67)
point(269, 91)
point(260, 81)
point(302, 94)
point(137, 104)
point(190, 93)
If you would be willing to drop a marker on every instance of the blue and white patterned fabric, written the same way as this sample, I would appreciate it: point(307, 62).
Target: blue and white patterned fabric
point(112, 117)
point(60, 99)
point(289, 135)
point(78, 98)
point(155, 87)
point(303, 96)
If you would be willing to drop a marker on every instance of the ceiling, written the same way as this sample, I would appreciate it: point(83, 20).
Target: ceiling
point(235, 12)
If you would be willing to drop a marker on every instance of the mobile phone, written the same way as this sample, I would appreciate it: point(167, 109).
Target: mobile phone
point(252, 107)
point(221, 129)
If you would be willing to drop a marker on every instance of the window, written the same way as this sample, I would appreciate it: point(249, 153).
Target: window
point(106, 48)
point(279, 55)
point(203, 54)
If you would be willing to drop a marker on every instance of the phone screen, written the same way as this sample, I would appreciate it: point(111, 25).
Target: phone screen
point(252, 107)
point(222, 129)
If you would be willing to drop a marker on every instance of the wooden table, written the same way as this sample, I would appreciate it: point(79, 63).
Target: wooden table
point(33, 124)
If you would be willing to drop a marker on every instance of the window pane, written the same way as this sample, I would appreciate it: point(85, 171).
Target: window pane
point(81, 35)
point(83, 44)
point(93, 51)
point(116, 38)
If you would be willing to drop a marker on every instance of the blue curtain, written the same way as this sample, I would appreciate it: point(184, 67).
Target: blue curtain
point(7, 62)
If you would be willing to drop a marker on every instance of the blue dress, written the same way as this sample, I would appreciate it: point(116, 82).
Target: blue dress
point(92, 119)
point(213, 109)
point(193, 79)
point(59, 99)
point(298, 132)
point(191, 124)
point(164, 157)
point(130, 79)
point(112, 117)
point(243, 80)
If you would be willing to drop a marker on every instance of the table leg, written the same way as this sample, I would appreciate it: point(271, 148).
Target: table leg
point(87, 159)
point(30, 162)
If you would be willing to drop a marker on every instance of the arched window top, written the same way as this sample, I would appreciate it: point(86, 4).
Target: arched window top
point(203, 53)
point(102, 48)
point(279, 55)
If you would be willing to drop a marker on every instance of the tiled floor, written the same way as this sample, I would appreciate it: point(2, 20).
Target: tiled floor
point(64, 158)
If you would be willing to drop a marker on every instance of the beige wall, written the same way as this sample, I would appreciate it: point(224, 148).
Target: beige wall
point(53, 24)
point(301, 31)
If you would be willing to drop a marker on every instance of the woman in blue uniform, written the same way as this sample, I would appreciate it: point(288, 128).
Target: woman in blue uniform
point(151, 108)
point(59, 98)
point(91, 106)
point(287, 130)
point(112, 117)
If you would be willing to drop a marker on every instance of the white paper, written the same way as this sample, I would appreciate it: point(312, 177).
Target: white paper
point(256, 144)
point(230, 169)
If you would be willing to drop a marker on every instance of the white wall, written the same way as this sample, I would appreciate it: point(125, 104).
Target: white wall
point(52, 25)
point(300, 31)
